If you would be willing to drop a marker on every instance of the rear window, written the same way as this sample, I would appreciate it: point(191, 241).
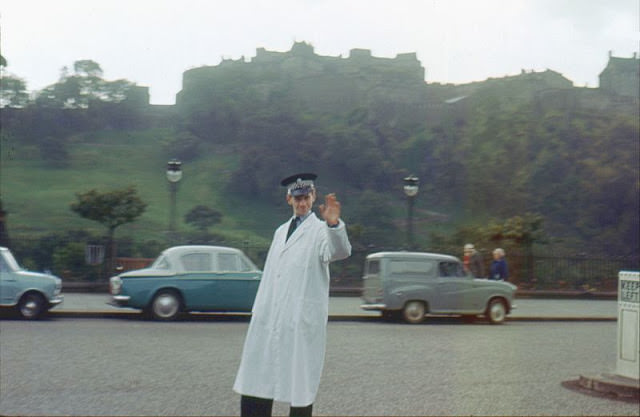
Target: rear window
point(245, 266)
point(409, 267)
point(227, 262)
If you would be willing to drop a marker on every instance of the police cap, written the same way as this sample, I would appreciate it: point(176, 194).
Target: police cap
point(299, 184)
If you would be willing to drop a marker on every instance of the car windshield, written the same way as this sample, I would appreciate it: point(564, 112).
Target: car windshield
point(161, 263)
point(372, 267)
point(8, 262)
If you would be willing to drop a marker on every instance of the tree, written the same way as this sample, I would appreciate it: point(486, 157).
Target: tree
point(13, 92)
point(82, 88)
point(202, 217)
point(111, 209)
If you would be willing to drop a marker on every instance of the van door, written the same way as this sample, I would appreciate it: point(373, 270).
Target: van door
point(411, 280)
point(454, 287)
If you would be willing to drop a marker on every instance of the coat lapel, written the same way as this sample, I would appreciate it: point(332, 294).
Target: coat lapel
point(300, 231)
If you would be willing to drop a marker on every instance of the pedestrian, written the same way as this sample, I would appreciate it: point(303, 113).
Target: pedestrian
point(284, 348)
point(499, 269)
point(472, 261)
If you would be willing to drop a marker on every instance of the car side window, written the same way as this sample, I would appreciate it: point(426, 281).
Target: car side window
point(228, 262)
point(3, 265)
point(451, 269)
point(195, 262)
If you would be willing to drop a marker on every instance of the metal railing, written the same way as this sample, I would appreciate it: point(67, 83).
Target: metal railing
point(529, 270)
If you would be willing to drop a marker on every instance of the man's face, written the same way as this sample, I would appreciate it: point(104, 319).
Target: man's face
point(301, 204)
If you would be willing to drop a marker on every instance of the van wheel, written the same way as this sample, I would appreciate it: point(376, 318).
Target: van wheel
point(496, 312)
point(414, 312)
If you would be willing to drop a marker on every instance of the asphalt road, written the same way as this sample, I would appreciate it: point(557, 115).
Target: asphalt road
point(68, 366)
point(527, 308)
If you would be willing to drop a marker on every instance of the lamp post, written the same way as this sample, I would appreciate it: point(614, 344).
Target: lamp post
point(174, 175)
point(410, 190)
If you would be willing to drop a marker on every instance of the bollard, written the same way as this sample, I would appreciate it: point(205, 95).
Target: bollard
point(628, 362)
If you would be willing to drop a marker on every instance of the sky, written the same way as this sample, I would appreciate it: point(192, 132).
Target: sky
point(152, 42)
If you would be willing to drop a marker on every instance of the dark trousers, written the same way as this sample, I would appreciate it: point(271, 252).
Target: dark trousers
point(261, 407)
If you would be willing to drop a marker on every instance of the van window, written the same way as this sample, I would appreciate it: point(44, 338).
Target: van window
point(409, 267)
point(373, 268)
point(451, 269)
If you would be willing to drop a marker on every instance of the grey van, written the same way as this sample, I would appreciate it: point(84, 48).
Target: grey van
point(414, 284)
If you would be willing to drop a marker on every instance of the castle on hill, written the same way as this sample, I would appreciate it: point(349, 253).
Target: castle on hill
point(362, 75)
point(393, 86)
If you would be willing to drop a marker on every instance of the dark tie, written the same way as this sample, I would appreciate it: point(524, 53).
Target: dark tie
point(292, 227)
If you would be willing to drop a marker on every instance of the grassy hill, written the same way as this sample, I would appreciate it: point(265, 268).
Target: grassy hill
point(37, 196)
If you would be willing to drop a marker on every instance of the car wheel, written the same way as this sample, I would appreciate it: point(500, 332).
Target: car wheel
point(31, 306)
point(414, 312)
point(166, 305)
point(496, 312)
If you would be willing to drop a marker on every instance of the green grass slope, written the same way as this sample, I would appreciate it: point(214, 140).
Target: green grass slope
point(37, 195)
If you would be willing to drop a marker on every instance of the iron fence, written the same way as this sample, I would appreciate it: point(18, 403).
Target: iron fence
point(69, 259)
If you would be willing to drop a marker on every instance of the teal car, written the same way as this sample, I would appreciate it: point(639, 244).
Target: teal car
point(32, 294)
point(189, 278)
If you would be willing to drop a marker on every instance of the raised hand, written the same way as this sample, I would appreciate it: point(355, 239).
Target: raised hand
point(330, 210)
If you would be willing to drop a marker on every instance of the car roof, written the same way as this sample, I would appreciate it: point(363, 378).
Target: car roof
point(412, 255)
point(199, 248)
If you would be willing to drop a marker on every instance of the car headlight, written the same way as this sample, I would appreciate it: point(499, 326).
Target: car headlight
point(58, 289)
point(115, 285)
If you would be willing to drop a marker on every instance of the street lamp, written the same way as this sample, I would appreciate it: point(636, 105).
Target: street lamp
point(410, 190)
point(174, 174)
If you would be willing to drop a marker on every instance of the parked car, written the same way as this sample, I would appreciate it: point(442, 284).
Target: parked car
point(32, 294)
point(189, 278)
point(414, 284)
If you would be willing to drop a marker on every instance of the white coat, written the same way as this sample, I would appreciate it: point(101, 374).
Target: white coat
point(284, 349)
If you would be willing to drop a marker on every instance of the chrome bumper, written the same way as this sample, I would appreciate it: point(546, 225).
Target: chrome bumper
point(119, 300)
point(58, 299)
point(373, 307)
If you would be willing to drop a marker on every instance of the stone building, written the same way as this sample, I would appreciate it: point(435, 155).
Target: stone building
point(621, 76)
